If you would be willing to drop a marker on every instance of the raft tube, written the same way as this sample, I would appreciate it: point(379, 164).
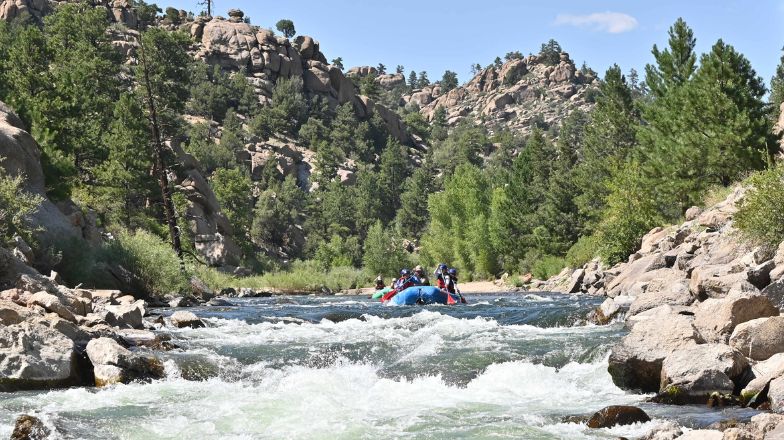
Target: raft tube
point(379, 293)
point(422, 295)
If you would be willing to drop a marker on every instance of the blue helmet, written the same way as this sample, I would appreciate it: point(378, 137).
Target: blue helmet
point(442, 267)
point(405, 272)
point(452, 272)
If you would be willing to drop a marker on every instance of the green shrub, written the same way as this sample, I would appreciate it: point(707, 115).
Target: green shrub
point(631, 212)
point(15, 205)
point(583, 251)
point(760, 216)
point(151, 259)
point(302, 276)
point(547, 267)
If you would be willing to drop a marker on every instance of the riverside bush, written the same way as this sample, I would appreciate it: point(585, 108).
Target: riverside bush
point(15, 205)
point(301, 276)
point(547, 267)
point(760, 216)
point(583, 251)
point(150, 258)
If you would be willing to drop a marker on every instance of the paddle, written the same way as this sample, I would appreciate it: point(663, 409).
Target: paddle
point(389, 295)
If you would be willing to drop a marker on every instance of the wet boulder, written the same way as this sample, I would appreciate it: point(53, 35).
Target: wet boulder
point(28, 427)
point(759, 339)
point(182, 319)
point(33, 356)
point(692, 374)
point(114, 363)
point(716, 318)
point(636, 361)
point(617, 415)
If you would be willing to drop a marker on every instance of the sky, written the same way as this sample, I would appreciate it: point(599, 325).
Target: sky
point(436, 35)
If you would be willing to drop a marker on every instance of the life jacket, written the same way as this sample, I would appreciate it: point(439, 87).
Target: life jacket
point(450, 284)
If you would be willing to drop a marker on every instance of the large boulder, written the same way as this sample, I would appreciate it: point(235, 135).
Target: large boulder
point(764, 372)
point(19, 9)
point(52, 303)
point(33, 356)
point(702, 434)
point(115, 364)
point(636, 361)
point(759, 339)
point(126, 315)
point(228, 44)
point(12, 313)
point(716, 318)
point(672, 291)
point(691, 374)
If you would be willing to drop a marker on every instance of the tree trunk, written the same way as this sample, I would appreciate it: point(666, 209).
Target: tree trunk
point(160, 169)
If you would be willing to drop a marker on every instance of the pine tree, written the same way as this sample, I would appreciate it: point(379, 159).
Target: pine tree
point(123, 182)
point(777, 88)
point(422, 80)
point(448, 81)
point(162, 67)
point(412, 81)
point(515, 210)
point(559, 213)
point(676, 64)
point(609, 141)
point(412, 217)
point(393, 172)
point(707, 131)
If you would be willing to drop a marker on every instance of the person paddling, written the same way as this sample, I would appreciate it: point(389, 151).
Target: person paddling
point(419, 272)
point(379, 282)
point(440, 274)
point(406, 280)
point(450, 280)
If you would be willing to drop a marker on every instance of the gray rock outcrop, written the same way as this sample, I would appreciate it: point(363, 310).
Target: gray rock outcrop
point(33, 356)
point(115, 364)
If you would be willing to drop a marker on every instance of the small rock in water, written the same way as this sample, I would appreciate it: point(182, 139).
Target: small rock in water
point(617, 415)
point(29, 428)
point(219, 302)
point(186, 319)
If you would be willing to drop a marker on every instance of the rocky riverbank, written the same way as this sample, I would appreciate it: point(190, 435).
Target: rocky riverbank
point(702, 308)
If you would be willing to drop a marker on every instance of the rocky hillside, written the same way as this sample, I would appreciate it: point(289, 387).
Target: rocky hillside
point(518, 95)
point(702, 307)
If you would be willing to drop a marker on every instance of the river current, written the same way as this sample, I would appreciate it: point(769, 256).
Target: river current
point(503, 366)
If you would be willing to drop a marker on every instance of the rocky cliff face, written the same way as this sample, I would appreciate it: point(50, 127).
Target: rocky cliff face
point(518, 95)
point(52, 222)
point(234, 45)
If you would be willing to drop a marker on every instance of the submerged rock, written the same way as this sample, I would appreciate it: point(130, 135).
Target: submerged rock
point(29, 428)
point(617, 415)
point(115, 364)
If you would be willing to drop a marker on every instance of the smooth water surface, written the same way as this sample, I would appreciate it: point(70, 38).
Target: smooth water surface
point(503, 366)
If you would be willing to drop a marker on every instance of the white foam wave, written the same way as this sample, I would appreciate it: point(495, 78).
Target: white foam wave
point(348, 400)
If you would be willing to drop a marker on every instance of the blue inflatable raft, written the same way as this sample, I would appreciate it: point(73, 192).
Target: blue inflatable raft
point(422, 295)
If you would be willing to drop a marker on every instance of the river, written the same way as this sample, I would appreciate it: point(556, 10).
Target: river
point(503, 366)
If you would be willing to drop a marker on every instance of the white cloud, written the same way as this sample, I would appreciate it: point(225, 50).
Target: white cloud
point(612, 22)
